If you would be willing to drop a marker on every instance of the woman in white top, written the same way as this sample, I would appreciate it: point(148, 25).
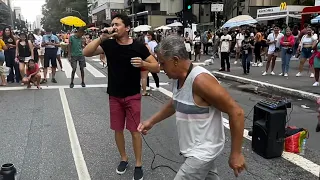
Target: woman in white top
point(197, 45)
point(305, 46)
point(152, 43)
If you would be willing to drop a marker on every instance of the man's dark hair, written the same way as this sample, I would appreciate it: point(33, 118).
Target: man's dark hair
point(81, 29)
point(305, 25)
point(125, 19)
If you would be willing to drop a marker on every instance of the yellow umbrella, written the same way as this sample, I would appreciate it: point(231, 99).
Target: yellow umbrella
point(72, 21)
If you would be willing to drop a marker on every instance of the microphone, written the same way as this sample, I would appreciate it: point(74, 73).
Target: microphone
point(113, 31)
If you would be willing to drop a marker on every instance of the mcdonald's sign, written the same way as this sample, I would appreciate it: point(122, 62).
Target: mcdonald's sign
point(283, 6)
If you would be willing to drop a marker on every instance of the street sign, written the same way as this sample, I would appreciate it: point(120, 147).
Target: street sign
point(216, 7)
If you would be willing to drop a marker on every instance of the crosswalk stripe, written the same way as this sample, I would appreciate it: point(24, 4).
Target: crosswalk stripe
point(97, 60)
point(94, 71)
point(42, 74)
point(67, 68)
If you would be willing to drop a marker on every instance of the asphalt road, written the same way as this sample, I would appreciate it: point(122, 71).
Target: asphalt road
point(61, 133)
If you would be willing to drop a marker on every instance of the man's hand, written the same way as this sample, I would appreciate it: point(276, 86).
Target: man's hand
point(144, 127)
point(237, 163)
point(107, 33)
point(137, 62)
point(29, 77)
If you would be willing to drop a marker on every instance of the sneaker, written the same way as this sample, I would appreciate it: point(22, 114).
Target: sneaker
point(53, 80)
point(254, 65)
point(281, 74)
point(155, 89)
point(43, 81)
point(265, 73)
point(298, 74)
point(138, 173)
point(122, 168)
point(311, 75)
point(83, 84)
point(315, 84)
point(235, 62)
point(260, 64)
point(71, 85)
point(272, 73)
point(286, 75)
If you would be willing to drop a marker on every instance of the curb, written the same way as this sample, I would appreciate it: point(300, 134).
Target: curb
point(273, 87)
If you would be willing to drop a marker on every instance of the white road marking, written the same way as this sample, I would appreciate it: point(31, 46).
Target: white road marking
point(17, 88)
point(48, 74)
point(291, 157)
point(67, 68)
point(198, 63)
point(81, 166)
point(96, 60)
point(94, 71)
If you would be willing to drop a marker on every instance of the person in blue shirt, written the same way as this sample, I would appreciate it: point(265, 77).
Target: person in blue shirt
point(51, 44)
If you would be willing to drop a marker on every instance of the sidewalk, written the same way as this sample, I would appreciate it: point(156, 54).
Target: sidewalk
point(292, 85)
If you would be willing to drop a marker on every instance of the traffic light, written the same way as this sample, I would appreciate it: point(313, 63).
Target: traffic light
point(187, 5)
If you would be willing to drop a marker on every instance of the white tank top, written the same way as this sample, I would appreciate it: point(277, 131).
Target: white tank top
point(200, 129)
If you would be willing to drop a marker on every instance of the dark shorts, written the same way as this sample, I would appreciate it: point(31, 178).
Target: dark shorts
point(80, 59)
point(125, 111)
point(50, 54)
point(306, 53)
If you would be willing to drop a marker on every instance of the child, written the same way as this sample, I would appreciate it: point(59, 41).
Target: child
point(33, 74)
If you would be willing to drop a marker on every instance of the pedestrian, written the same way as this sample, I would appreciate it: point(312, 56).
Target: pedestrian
point(51, 44)
point(125, 58)
point(273, 40)
point(198, 101)
point(246, 49)
point(225, 47)
point(75, 47)
point(287, 43)
point(32, 74)
point(24, 52)
point(3, 47)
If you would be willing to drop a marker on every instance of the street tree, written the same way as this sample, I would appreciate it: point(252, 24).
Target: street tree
point(54, 10)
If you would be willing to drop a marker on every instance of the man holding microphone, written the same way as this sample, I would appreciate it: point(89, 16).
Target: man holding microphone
point(125, 58)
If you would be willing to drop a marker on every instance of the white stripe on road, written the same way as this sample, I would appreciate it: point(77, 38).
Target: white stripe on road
point(94, 71)
point(65, 87)
point(81, 166)
point(67, 68)
point(291, 157)
point(96, 60)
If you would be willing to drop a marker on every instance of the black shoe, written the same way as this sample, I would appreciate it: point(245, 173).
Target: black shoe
point(53, 80)
point(71, 85)
point(122, 167)
point(318, 127)
point(222, 70)
point(43, 81)
point(83, 84)
point(138, 173)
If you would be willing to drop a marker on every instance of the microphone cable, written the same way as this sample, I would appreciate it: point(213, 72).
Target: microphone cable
point(153, 152)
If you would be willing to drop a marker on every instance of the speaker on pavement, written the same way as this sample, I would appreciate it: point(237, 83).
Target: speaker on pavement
point(268, 132)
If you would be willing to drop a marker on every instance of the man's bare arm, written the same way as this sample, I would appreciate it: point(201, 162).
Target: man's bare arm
point(93, 48)
point(151, 64)
point(209, 89)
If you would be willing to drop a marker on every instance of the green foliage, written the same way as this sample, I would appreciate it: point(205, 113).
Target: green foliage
point(54, 10)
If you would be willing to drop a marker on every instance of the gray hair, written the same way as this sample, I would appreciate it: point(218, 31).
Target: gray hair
point(173, 45)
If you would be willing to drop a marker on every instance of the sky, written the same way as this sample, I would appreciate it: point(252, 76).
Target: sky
point(29, 8)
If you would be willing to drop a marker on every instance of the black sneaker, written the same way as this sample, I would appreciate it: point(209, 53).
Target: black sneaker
point(43, 81)
point(71, 85)
point(83, 84)
point(53, 80)
point(138, 173)
point(122, 167)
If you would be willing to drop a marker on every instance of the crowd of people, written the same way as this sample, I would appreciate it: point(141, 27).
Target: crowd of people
point(251, 44)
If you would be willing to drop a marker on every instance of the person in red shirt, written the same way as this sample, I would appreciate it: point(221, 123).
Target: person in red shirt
point(33, 74)
point(287, 43)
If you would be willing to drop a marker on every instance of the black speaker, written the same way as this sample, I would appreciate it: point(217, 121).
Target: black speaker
point(268, 132)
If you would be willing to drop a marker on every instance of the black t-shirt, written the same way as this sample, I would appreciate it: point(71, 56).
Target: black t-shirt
point(123, 77)
point(246, 45)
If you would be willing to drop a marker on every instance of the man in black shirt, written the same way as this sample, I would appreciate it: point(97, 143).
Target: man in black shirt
point(125, 59)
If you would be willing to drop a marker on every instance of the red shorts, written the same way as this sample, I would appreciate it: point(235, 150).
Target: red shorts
point(125, 111)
